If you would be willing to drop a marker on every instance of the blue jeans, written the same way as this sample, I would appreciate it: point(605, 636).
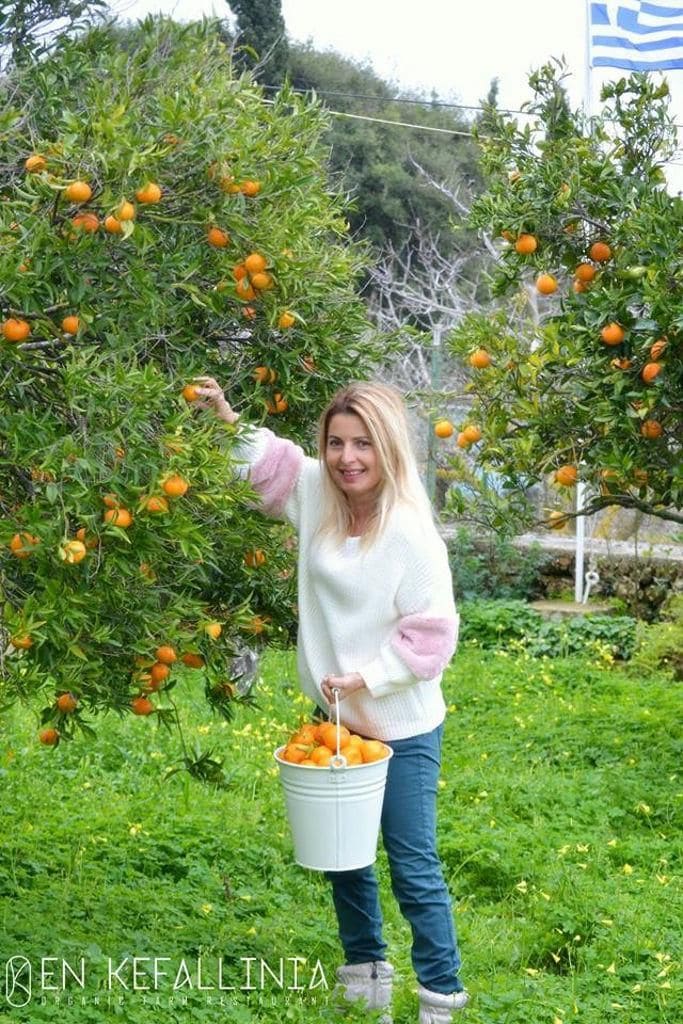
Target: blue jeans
point(409, 834)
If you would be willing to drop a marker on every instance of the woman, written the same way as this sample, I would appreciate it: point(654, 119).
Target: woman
point(377, 622)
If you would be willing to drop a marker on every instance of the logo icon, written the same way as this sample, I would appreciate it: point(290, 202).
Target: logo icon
point(18, 981)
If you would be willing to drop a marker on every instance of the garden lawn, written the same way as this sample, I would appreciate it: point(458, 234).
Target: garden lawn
point(559, 831)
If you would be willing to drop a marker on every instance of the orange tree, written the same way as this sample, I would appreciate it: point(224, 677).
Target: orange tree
point(159, 219)
point(591, 386)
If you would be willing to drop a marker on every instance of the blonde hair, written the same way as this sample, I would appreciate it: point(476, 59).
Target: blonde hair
point(383, 413)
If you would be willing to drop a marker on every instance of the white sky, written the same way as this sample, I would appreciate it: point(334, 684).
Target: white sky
point(453, 47)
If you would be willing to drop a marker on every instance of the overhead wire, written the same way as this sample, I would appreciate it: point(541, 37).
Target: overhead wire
point(419, 127)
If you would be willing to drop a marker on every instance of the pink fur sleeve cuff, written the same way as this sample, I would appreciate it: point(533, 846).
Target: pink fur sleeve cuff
point(275, 474)
point(425, 643)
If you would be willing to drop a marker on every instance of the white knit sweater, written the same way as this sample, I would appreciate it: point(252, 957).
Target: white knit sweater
point(387, 612)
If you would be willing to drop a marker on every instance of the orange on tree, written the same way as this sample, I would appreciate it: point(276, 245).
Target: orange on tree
point(192, 660)
point(254, 558)
point(112, 225)
point(658, 348)
point(265, 375)
point(255, 262)
point(566, 476)
point(621, 364)
point(49, 737)
point(190, 393)
point(286, 320)
point(262, 281)
point(213, 630)
point(239, 271)
point(256, 625)
point(579, 286)
point(612, 334)
point(472, 434)
point(248, 312)
point(250, 188)
point(35, 163)
point(651, 429)
point(175, 486)
point(278, 404)
point(479, 359)
point(526, 244)
point(600, 252)
point(73, 551)
point(159, 671)
point(22, 641)
point(461, 440)
point(118, 517)
point(443, 428)
point(546, 284)
point(141, 705)
point(14, 329)
point(88, 222)
point(125, 211)
point(245, 290)
point(218, 238)
point(585, 272)
point(156, 504)
point(166, 654)
point(149, 193)
point(229, 185)
point(71, 324)
point(111, 500)
point(78, 192)
point(66, 703)
point(23, 544)
point(650, 371)
point(557, 520)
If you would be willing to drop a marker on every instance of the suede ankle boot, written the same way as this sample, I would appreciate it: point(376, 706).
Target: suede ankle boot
point(372, 982)
point(439, 1008)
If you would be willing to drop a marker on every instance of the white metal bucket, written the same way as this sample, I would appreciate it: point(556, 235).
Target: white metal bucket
point(334, 813)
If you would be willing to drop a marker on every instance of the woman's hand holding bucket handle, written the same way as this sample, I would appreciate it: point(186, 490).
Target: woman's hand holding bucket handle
point(345, 685)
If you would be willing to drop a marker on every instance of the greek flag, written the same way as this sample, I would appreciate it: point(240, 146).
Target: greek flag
point(637, 35)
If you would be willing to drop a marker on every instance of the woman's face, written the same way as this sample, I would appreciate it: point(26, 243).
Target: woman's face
point(350, 456)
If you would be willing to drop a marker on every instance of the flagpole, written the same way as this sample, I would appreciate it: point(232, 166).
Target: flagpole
point(587, 85)
point(580, 521)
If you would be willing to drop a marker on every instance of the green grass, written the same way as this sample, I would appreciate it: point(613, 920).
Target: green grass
point(559, 832)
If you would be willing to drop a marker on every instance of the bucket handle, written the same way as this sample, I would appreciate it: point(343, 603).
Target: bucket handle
point(338, 760)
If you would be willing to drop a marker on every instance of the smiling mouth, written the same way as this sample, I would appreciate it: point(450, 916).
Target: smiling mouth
point(351, 474)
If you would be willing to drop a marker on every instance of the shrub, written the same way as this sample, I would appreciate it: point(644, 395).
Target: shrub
point(491, 566)
point(660, 646)
point(496, 624)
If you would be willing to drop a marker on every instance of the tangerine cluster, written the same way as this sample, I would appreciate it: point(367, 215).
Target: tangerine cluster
point(612, 333)
point(314, 744)
point(252, 276)
point(22, 545)
point(152, 676)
